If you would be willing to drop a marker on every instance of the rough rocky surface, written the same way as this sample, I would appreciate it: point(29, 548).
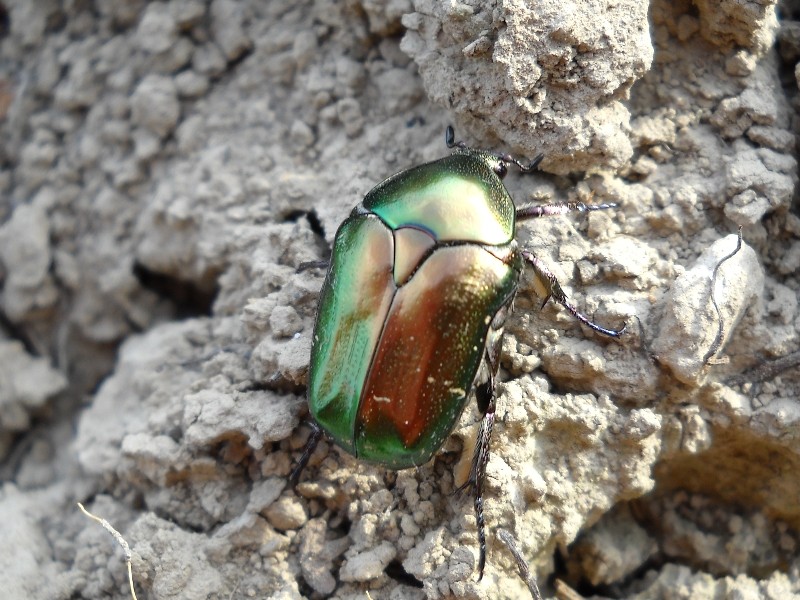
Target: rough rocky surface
point(165, 167)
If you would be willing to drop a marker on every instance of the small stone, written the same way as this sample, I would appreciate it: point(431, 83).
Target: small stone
point(304, 48)
point(264, 493)
point(741, 64)
point(79, 89)
point(191, 133)
point(317, 554)
point(690, 324)
point(227, 24)
point(286, 513)
point(285, 322)
point(208, 60)
point(300, 135)
point(25, 254)
point(191, 84)
point(157, 30)
point(146, 144)
point(155, 105)
point(369, 564)
point(187, 13)
point(252, 530)
point(176, 57)
point(349, 112)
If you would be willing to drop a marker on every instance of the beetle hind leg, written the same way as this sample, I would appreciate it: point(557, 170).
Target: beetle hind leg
point(532, 211)
point(552, 289)
point(480, 457)
point(311, 445)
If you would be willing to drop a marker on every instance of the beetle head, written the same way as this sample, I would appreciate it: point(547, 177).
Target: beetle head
point(498, 162)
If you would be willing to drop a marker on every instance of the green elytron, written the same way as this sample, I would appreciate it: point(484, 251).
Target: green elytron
point(411, 314)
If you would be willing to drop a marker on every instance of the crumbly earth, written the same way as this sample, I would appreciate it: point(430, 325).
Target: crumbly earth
point(165, 167)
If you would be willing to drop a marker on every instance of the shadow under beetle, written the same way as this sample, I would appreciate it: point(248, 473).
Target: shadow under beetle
point(410, 319)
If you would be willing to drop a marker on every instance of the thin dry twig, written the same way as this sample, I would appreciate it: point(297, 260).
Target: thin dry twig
point(718, 339)
point(522, 564)
point(120, 540)
point(564, 592)
point(767, 370)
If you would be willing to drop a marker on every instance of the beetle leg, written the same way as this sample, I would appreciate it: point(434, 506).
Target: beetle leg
point(532, 211)
point(312, 264)
point(553, 289)
point(311, 444)
point(480, 458)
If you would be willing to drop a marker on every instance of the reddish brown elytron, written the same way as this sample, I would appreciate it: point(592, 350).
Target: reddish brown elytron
point(430, 347)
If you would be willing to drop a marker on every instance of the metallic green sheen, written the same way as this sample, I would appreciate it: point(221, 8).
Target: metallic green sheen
point(456, 198)
point(352, 310)
point(403, 320)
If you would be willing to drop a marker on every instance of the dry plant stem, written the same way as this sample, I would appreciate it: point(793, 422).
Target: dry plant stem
point(718, 339)
point(767, 370)
point(522, 565)
point(564, 592)
point(120, 540)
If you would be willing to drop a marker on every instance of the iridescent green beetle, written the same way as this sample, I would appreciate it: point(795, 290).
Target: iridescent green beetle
point(411, 313)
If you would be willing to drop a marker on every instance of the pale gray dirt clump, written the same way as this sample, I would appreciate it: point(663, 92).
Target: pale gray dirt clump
point(165, 167)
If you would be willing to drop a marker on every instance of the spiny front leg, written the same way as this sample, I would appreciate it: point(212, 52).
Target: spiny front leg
point(552, 289)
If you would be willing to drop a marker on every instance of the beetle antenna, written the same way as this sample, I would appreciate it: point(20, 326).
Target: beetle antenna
point(450, 139)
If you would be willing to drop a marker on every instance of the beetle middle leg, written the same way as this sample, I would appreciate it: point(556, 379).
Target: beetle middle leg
point(548, 286)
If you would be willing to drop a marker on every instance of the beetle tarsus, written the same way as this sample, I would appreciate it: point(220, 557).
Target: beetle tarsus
point(479, 462)
point(615, 333)
point(554, 290)
point(531, 166)
point(475, 481)
point(311, 445)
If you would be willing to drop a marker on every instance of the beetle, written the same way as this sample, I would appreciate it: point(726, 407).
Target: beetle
point(421, 279)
